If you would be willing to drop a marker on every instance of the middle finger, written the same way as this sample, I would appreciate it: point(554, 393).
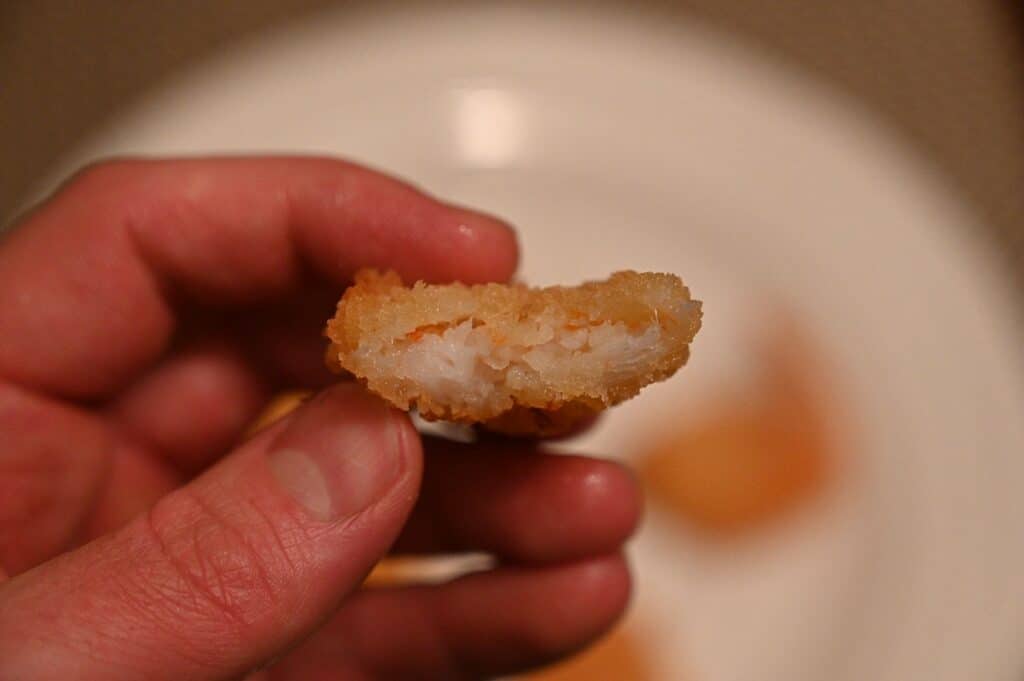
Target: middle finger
point(520, 503)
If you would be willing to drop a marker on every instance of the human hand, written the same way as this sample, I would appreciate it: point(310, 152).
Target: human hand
point(147, 312)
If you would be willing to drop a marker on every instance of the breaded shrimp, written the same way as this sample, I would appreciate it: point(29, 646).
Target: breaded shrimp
point(517, 360)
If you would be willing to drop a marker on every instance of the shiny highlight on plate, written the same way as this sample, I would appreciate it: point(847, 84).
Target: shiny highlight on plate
point(490, 126)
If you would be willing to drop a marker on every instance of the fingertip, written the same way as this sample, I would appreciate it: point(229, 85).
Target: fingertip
point(593, 508)
point(592, 596)
point(610, 490)
point(481, 625)
point(408, 437)
point(344, 396)
point(343, 405)
point(603, 586)
point(488, 246)
point(607, 584)
point(522, 504)
point(354, 433)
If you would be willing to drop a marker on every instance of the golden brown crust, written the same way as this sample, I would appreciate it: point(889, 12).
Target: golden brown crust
point(536, 422)
point(379, 309)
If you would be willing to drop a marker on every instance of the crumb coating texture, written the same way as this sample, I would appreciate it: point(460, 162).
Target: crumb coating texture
point(519, 360)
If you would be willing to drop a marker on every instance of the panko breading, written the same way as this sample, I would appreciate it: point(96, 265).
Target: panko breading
point(516, 359)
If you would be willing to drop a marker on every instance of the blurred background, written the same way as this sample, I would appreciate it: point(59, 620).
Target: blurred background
point(834, 479)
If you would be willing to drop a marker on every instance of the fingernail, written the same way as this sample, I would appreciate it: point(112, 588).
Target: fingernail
point(340, 454)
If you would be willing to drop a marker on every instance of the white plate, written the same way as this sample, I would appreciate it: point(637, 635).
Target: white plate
point(612, 142)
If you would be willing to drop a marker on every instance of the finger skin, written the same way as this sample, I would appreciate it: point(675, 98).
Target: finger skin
point(223, 573)
point(284, 340)
point(230, 570)
point(480, 626)
point(194, 403)
point(193, 406)
point(91, 283)
point(136, 479)
point(46, 486)
point(520, 503)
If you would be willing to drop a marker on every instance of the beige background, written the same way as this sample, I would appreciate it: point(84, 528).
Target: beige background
point(949, 74)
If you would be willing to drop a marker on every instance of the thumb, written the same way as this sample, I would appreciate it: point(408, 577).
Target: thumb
point(228, 571)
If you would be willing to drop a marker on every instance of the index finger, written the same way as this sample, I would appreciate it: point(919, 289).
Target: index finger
point(88, 280)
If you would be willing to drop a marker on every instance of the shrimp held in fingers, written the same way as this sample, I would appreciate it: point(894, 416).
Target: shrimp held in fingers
point(518, 360)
